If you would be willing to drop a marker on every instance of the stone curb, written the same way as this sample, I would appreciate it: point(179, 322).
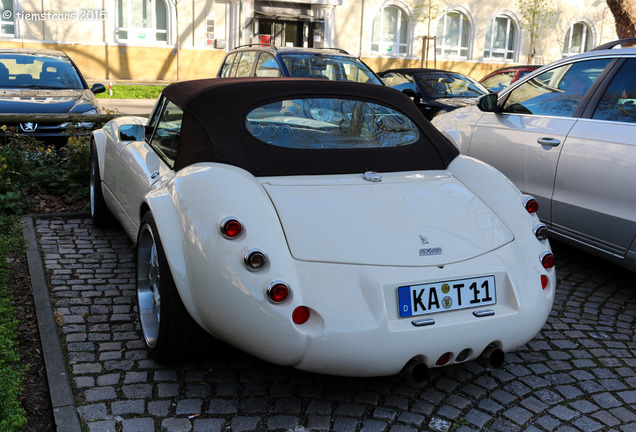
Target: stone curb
point(62, 400)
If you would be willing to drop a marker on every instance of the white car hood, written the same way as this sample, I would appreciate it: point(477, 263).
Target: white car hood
point(405, 220)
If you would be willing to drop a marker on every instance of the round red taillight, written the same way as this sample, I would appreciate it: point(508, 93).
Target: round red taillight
point(531, 205)
point(277, 292)
point(231, 228)
point(300, 315)
point(547, 260)
point(444, 358)
point(544, 281)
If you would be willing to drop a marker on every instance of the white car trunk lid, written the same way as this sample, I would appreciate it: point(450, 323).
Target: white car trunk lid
point(405, 220)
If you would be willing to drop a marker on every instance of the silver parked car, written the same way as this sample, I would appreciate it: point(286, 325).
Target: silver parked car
point(567, 135)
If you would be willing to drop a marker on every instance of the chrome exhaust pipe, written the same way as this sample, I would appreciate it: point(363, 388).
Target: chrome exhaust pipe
point(493, 356)
point(416, 370)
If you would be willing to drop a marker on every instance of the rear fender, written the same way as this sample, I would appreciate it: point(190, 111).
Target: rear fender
point(169, 225)
point(188, 211)
point(505, 199)
point(495, 189)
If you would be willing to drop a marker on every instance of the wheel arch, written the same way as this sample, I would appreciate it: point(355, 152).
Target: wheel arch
point(99, 139)
point(169, 224)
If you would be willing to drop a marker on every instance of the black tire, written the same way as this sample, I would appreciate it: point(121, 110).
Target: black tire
point(100, 213)
point(169, 332)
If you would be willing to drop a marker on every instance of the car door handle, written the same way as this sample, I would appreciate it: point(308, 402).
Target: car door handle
point(549, 141)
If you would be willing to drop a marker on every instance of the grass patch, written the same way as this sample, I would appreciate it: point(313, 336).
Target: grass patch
point(130, 91)
point(12, 415)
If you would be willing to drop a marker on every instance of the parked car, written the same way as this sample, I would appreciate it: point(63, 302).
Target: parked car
point(565, 134)
point(324, 225)
point(257, 60)
point(434, 91)
point(44, 82)
point(499, 79)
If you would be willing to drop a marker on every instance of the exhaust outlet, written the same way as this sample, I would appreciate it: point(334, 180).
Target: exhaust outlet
point(416, 371)
point(493, 356)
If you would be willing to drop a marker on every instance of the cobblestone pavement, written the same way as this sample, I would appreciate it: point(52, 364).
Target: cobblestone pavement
point(578, 374)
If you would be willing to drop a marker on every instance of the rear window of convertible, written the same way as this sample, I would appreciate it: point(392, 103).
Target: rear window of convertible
point(328, 123)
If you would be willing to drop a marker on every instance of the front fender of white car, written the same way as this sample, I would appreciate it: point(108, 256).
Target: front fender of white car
point(458, 126)
point(219, 291)
point(110, 133)
point(99, 138)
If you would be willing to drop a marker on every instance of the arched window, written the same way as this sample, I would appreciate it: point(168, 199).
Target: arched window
point(390, 31)
point(142, 21)
point(7, 25)
point(501, 39)
point(453, 34)
point(578, 39)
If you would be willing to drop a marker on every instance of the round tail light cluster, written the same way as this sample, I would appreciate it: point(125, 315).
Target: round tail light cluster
point(254, 259)
point(531, 205)
point(231, 228)
point(540, 232)
point(547, 260)
point(277, 292)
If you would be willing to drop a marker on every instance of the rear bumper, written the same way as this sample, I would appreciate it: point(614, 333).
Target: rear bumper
point(366, 337)
point(354, 328)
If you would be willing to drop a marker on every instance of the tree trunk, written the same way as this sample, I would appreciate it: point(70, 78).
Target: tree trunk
point(624, 12)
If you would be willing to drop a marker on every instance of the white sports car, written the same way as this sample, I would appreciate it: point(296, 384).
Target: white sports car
point(318, 224)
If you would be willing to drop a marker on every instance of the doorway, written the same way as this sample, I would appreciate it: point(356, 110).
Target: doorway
point(281, 33)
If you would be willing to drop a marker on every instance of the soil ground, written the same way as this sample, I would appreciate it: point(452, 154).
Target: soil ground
point(35, 398)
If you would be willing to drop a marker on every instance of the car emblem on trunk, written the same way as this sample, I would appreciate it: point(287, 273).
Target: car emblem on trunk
point(28, 127)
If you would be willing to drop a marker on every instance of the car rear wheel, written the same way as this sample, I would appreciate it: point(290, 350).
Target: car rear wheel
point(100, 213)
point(168, 330)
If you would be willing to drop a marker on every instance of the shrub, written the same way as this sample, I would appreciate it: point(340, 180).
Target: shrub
point(75, 161)
point(28, 167)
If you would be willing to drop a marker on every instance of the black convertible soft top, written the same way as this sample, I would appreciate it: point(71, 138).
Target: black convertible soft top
point(214, 129)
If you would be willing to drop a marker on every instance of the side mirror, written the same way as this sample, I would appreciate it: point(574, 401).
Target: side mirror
point(412, 94)
point(98, 88)
point(131, 132)
point(488, 103)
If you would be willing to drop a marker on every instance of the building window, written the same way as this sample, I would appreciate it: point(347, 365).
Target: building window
point(7, 25)
point(501, 39)
point(390, 31)
point(142, 21)
point(453, 34)
point(578, 39)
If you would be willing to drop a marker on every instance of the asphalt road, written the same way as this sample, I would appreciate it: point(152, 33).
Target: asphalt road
point(577, 374)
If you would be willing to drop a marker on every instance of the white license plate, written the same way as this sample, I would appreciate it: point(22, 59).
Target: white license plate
point(446, 296)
